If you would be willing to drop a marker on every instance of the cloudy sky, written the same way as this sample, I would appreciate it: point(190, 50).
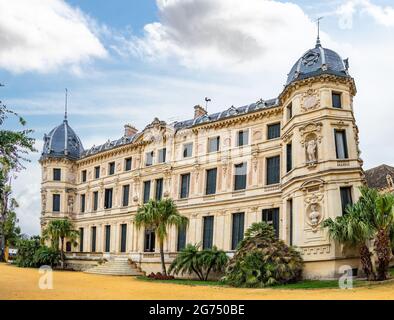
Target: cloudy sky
point(127, 61)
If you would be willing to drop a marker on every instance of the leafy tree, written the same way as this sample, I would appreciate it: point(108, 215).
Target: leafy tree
point(12, 232)
point(46, 256)
point(14, 146)
point(27, 248)
point(160, 215)
point(262, 260)
point(193, 261)
point(60, 230)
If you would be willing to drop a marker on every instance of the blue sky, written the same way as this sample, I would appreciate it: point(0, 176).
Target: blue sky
point(129, 61)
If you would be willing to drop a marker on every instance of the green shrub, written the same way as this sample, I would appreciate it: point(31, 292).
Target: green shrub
point(191, 260)
point(26, 252)
point(47, 256)
point(262, 260)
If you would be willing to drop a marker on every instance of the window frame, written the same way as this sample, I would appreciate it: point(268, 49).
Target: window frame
point(128, 161)
point(125, 195)
point(244, 133)
point(84, 176)
point(162, 155)
point(97, 172)
point(268, 182)
point(345, 144)
point(57, 174)
point(273, 125)
point(243, 182)
point(213, 189)
point(185, 149)
point(336, 93)
point(149, 155)
point(210, 140)
point(59, 206)
point(181, 186)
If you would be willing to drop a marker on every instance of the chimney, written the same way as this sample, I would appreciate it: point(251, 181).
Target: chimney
point(129, 130)
point(199, 111)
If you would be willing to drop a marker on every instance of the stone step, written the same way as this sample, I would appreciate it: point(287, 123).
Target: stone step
point(117, 267)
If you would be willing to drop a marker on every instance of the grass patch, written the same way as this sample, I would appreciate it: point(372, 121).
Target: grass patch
point(391, 271)
point(185, 282)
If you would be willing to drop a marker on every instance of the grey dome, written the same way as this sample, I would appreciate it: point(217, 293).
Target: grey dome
point(318, 61)
point(62, 142)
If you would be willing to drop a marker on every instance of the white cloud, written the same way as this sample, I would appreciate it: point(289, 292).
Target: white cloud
point(382, 15)
point(229, 35)
point(43, 35)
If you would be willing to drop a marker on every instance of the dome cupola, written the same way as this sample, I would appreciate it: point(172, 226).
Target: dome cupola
point(318, 61)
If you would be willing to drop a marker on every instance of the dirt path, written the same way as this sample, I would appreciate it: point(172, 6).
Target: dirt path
point(18, 283)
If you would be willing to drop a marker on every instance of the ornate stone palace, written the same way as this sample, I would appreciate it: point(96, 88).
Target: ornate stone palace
point(292, 161)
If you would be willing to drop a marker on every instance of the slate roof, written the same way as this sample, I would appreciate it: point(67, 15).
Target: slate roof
point(377, 177)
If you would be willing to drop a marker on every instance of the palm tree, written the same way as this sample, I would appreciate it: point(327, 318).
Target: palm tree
point(160, 215)
point(188, 261)
point(352, 231)
point(60, 230)
point(213, 260)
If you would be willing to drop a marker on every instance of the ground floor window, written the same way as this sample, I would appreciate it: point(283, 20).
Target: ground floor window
point(271, 217)
point(123, 237)
point(81, 235)
point(181, 244)
point(68, 246)
point(150, 239)
point(107, 238)
point(94, 237)
point(238, 229)
point(207, 242)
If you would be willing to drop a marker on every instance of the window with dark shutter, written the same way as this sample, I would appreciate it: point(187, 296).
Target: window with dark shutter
point(289, 157)
point(126, 195)
point(83, 177)
point(207, 242)
point(128, 162)
point(96, 172)
point(291, 219)
point(240, 176)
point(95, 200)
point(181, 244)
point(94, 239)
point(346, 198)
point(108, 198)
point(123, 237)
point(147, 191)
point(289, 111)
point(211, 181)
point(56, 203)
point(150, 240)
point(149, 159)
point(57, 174)
point(336, 100)
point(273, 170)
point(162, 155)
point(238, 229)
point(111, 168)
point(107, 238)
point(185, 185)
point(81, 235)
point(159, 189)
point(242, 138)
point(271, 217)
point(83, 201)
point(341, 144)
point(273, 131)
point(188, 150)
point(213, 144)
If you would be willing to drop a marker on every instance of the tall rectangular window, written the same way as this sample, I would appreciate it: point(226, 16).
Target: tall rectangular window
point(95, 200)
point(159, 189)
point(211, 181)
point(83, 176)
point(271, 217)
point(336, 100)
point(108, 198)
point(81, 238)
point(291, 220)
point(185, 186)
point(56, 203)
point(127, 164)
point(149, 159)
point(147, 191)
point(289, 157)
point(97, 172)
point(123, 237)
point(213, 144)
point(346, 198)
point(162, 155)
point(187, 150)
point(240, 176)
point(111, 168)
point(150, 240)
point(273, 131)
point(107, 239)
point(207, 242)
point(238, 229)
point(242, 138)
point(57, 174)
point(83, 202)
point(181, 243)
point(126, 195)
point(273, 170)
point(341, 144)
point(94, 239)
point(289, 109)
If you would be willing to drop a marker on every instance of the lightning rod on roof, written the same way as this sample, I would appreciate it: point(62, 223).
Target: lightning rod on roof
point(65, 104)
point(318, 43)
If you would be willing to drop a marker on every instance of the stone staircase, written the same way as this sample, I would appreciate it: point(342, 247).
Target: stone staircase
point(117, 267)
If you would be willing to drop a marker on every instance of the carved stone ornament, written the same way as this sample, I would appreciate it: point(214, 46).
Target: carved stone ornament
point(390, 182)
point(311, 127)
point(313, 196)
point(310, 100)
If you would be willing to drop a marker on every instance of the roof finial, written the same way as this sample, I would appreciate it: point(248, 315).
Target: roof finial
point(65, 105)
point(318, 43)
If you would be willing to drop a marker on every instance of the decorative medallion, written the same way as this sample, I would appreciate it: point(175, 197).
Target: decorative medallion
point(310, 58)
point(310, 100)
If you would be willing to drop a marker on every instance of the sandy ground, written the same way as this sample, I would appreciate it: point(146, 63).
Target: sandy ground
point(18, 283)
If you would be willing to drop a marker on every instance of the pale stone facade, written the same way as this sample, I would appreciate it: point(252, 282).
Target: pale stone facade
point(314, 177)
